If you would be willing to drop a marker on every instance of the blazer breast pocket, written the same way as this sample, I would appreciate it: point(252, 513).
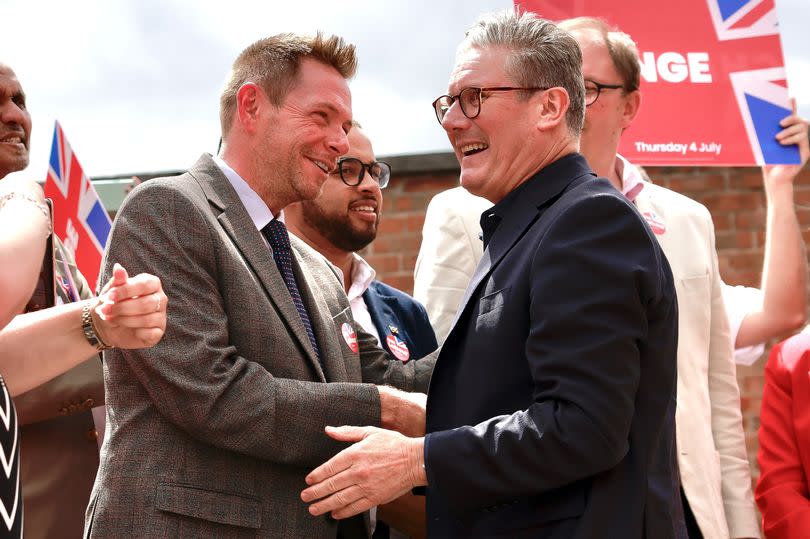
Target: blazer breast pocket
point(493, 301)
point(490, 310)
point(696, 285)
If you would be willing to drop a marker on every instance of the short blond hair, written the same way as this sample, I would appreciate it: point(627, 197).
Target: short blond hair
point(621, 47)
point(273, 63)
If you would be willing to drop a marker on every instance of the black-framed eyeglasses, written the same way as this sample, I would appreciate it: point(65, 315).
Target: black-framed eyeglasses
point(352, 171)
point(470, 100)
point(593, 89)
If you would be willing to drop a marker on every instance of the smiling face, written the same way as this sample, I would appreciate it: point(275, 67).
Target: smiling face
point(302, 138)
point(15, 124)
point(346, 216)
point(493, 149)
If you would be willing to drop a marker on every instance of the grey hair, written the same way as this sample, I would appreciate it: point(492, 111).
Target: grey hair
point(540, 55)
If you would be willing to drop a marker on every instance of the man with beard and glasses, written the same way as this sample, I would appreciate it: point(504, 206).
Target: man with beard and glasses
point(342, 220)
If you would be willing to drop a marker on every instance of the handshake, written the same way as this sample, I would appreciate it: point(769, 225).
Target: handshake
point(381, 465)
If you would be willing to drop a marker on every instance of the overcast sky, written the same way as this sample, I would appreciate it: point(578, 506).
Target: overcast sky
point(135, 83)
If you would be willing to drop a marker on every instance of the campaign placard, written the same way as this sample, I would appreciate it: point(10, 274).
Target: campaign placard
point(713, 81)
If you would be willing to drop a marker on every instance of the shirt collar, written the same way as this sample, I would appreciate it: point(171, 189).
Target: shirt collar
point(362, 277)
point(632, 181)
point(259, 213)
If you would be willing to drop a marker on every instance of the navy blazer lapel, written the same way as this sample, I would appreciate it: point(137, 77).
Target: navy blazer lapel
point(237, 223)
point(520, 214)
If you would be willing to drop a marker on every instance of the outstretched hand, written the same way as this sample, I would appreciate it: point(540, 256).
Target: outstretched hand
point(382, 466)
point(131, 311)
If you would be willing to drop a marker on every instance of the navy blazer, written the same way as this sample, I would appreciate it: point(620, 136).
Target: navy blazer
point(396, 315)
point(551, 408)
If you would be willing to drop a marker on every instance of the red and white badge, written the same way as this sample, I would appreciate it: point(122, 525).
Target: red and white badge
point(656, 223)
point(349, 336)
point(398, 348)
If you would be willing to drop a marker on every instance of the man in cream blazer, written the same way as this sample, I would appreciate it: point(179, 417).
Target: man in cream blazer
point(713, 464)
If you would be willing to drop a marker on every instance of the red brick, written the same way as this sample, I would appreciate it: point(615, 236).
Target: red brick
point(402, 282)
point(685, 185)
point(750, 178)
point(726, 240)
point(745, 240)
point(750, 219)
point(803, 177)
point(400, 243)
point(723, 221)
point(416, 222)
point(802, 196)
point(803, 215)
point(384, 263)
point(409, 261)
point(742, 260)
point(431, 184)
point(733, 201)
point(392, 224)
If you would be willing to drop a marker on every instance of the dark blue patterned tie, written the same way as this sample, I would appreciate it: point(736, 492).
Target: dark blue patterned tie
point(279, 240)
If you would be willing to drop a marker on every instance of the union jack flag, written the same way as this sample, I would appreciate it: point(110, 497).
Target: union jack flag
point(742, 19)
point(79, 218)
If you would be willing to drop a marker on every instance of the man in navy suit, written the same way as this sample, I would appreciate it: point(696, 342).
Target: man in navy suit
point(342, 220)
point(551, 407)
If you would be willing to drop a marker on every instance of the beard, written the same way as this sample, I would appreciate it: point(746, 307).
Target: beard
point(338, 229)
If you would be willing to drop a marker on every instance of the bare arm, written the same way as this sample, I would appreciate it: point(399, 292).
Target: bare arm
point(784, 271)
point(52, 340)
point(24, 224)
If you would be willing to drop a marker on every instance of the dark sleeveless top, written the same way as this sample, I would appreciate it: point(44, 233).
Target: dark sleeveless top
point(11, 510)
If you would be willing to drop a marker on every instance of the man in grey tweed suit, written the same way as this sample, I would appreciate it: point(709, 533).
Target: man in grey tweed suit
point(211, 433)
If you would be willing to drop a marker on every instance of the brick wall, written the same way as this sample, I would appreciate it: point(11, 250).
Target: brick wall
point(734, 197)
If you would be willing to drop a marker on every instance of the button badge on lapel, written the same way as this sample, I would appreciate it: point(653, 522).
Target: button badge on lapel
point(397, 346)
point(656, 223)
point(349, 336)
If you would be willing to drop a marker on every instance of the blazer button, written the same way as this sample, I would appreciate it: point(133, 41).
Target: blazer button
point(92, 435)
point(88, 403)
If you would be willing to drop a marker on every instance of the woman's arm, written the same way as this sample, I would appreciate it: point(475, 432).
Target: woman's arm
point(25, 224)
point(37, 346)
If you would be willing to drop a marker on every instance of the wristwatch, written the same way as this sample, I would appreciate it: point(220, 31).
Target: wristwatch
point(89, 329)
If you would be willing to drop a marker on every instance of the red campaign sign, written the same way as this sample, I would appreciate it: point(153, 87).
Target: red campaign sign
point(713, 80)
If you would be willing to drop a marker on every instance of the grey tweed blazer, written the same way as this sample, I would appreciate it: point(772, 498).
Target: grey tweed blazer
point(211, 432)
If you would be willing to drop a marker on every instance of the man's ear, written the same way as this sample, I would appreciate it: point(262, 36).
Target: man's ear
point(632, 104)
point(551, 108)
point(249, 101)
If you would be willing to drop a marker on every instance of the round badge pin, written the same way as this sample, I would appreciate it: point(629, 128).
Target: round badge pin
point(398, 348)
point(349, 336)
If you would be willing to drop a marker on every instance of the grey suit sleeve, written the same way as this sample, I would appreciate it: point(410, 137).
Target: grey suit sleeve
point(195, 377)
point(378, 368)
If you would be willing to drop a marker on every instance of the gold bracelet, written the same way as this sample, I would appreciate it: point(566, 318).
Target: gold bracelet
point(42, 207)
